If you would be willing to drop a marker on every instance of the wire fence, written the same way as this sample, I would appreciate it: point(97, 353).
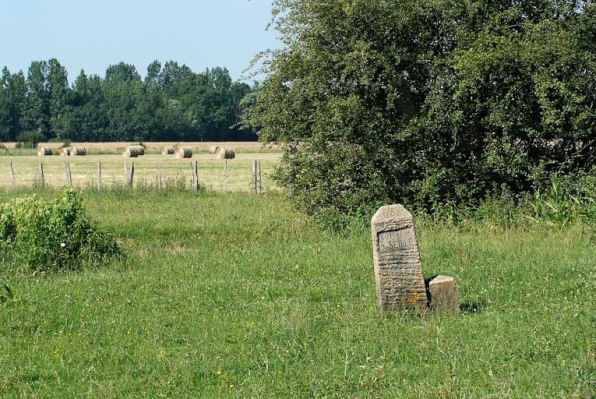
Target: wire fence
point(242, 175)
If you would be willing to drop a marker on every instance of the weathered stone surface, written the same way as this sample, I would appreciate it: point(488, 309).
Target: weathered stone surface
point(443, 295)
point(398, 270)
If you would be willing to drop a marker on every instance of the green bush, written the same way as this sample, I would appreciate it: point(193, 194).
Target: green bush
point(52, 235)
point(442, 103)
point(565, 202)
point(30, 138)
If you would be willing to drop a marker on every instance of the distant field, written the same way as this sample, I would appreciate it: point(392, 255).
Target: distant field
point(174, 171)
point(152, 147)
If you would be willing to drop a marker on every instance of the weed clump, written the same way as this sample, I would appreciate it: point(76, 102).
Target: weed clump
point(53, 235)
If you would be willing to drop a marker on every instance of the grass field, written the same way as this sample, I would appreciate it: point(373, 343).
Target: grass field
point(238, 296)
point(175, 172)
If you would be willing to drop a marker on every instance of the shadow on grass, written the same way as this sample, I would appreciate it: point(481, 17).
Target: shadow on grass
point(466, 307)
point(472, 307)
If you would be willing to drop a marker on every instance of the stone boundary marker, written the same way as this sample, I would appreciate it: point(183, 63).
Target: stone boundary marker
point(443, 295)
point(398, 269)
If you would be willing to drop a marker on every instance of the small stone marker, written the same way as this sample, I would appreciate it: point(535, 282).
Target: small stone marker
point(398, 269)
point(443, 294)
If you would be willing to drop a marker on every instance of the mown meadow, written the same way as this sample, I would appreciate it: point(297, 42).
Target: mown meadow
point(240, 296)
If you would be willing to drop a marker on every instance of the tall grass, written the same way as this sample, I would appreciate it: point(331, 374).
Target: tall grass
point(238, 296)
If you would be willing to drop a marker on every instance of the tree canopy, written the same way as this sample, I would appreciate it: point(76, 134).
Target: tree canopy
point(427, 102)
point(172, 104)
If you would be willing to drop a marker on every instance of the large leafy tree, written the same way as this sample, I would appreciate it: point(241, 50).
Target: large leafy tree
point(428, 101)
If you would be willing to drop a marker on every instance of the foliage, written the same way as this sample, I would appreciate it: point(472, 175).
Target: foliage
point(52, 235)
point(448, 102)
point(30, 138)
point(172, 104)
point(561, 206)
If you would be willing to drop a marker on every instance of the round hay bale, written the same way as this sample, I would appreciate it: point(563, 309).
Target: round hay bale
point(184, 152)
point(214, 149)
point(65, 152)
point(140, 149)
point(226, 153)
point(78, 151)
point(44, 151)
point(168, 151)
point(131, 152)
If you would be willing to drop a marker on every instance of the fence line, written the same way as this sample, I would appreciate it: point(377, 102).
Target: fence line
point(81, 175)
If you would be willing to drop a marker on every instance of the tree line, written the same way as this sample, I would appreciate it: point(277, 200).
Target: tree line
point(172, 103)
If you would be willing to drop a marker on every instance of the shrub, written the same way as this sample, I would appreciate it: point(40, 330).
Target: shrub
point(446, 102)
point(52, 235)
point(564, 203)
point(30, 138)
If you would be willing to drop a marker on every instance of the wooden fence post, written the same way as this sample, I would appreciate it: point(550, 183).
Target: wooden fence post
point(132, 174)
point(42, 182)
point(12, 176)
point(68, 175)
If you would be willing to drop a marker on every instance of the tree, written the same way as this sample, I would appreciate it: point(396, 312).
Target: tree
point(36, 115)
point(153, 77)
point(87, 120)
point(15, 92)
point(5, 117)
point(427, 102)
point(59, 92)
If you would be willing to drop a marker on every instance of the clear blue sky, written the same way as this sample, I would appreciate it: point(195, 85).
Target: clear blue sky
point(90, 35)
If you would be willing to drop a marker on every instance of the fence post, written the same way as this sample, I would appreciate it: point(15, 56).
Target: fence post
point(12, 175)
point(41, 176)
point(66, 172)
point(99, 176)
point(69, 175)
point(132, 173)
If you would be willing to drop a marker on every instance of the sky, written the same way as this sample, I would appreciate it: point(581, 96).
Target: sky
point(90, 35)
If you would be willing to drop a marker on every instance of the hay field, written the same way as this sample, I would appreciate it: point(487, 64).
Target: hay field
point(152, 147)
point(175, 172)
